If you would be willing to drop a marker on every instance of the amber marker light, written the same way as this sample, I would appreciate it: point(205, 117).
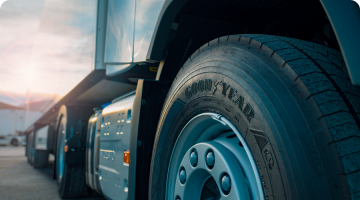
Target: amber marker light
point(126, 157)
point(66, 148)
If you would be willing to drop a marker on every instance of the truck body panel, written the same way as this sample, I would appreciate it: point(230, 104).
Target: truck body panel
point(130, 27)
point(120, 32)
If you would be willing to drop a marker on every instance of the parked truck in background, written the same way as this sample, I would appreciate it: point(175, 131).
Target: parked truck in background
point(13, 140)
point(210, 100)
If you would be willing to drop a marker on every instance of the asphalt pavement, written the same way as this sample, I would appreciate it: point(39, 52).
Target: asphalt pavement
point(19, 180)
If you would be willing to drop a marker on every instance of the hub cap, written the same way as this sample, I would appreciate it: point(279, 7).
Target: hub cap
point(207, 162)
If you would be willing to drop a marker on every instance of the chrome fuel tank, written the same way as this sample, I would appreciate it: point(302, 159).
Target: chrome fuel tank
point(114, 144)
point(92, 152)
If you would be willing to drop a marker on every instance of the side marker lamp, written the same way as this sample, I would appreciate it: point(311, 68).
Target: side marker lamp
point(126, 157)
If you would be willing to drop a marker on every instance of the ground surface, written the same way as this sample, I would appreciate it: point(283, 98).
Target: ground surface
point(19, 180)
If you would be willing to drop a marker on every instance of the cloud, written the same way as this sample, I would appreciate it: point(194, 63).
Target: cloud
point(46, 46)
point(17, 15)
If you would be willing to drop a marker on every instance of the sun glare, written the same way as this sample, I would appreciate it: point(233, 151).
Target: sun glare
point(20, 70)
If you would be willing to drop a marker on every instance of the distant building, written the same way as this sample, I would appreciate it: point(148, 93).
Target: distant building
point(14, 119)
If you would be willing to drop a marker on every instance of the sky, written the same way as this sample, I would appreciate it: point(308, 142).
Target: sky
point(46, 46)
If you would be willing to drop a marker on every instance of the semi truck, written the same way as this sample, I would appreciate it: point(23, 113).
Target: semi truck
point(194, 99)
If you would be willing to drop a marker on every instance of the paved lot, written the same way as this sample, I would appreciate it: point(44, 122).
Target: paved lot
point(19, 180)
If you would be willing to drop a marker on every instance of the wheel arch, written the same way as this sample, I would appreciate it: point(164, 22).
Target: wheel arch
point(347, 34)
point(171, 28)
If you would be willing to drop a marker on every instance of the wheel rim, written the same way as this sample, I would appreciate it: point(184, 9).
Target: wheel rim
point(211, 160)
point(60, 154)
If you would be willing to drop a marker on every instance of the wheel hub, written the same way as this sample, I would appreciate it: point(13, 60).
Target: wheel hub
point(194, 158)
point(216, 166)
point(226, 183)
point(223, 170)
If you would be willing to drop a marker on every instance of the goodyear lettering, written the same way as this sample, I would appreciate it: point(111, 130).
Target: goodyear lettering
point(188, 93)
point(232, 93)
point(240, 102)
point(208, 84)
point(201, 85)
point(228, 91)
point(225, 88)
point(194, 88)
point(215, 86)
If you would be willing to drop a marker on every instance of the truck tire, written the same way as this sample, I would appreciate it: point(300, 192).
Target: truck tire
point(70, 177)
point(14, 142)
point(73, 184)
point(277, 112)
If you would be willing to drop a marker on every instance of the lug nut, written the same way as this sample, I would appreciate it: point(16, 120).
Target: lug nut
point(210, 159)
point(182, 176)
point(194, 158)
point(226, 183)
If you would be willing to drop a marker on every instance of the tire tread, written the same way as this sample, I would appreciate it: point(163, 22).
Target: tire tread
point(75, 185)
point(323, 71)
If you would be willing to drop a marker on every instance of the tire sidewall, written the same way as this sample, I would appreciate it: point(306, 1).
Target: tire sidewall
point(220, 104)
point(269, 121)
point(61, 183)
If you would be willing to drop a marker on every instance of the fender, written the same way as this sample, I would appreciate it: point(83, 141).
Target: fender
point(166, 17)
point(344, 16)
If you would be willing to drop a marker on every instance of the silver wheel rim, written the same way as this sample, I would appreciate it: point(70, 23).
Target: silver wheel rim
point(192, 173)
point(60, 150)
